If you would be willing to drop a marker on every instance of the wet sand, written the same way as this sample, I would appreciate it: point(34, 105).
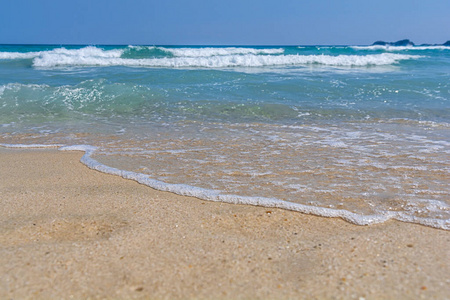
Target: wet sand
point(70, 232)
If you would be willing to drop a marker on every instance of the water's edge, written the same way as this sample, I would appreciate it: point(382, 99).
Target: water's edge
point(217, 196)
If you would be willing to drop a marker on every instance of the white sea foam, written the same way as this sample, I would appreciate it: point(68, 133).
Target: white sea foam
point(335, 143)
point(200, 58)
point(30, 146)
point(212, 51)
point(82, 53)
point(75, 57)
point(248, 60)
point(18, 55)
point(94, 52)
point(218, 196)
point(89, 51)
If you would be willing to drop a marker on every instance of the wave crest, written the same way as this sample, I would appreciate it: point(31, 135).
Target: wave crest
point(227, 51)
point(208, 57)
point(85, 52)
point(18, 55)
point(219, 61)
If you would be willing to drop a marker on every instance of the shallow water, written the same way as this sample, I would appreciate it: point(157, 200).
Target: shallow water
point(324, 130)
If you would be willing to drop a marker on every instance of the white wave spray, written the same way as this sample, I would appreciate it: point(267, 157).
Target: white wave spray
point(208, 57)
point(107, 58)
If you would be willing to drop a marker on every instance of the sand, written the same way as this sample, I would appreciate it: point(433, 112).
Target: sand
point(68, 232)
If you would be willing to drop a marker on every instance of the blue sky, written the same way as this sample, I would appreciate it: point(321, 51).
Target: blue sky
point(224, 22)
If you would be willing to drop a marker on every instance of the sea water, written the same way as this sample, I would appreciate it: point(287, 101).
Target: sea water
point(357, 132)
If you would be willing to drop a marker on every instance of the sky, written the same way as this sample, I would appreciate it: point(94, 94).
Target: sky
point(223, 22)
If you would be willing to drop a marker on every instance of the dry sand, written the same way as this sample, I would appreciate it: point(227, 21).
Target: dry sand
point(70, 232)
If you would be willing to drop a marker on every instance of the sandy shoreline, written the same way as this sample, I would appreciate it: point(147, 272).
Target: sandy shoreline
point(71, 232)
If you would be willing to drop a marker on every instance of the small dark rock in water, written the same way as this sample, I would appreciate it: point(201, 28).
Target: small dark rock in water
point(447, 43)
point(380, 43)
point(405, 42)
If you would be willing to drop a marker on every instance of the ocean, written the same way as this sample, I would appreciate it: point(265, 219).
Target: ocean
point(357, 132)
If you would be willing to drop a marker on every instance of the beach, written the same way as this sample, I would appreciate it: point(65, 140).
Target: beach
point(69, 232)
point(356, 132)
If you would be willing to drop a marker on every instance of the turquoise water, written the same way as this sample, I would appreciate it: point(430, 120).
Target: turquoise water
point(359, 131)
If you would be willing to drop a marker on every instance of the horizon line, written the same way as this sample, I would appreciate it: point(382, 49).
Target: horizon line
point(210, 45)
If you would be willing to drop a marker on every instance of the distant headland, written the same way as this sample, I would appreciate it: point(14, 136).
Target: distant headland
point(406, 43)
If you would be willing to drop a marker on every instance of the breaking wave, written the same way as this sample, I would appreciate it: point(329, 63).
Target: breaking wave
point(224, 57)
point(207, 52)
point(222, 61)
